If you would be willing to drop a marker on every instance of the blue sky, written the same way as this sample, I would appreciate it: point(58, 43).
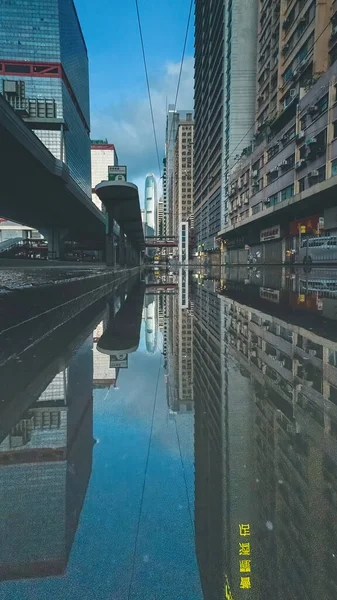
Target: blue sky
point(119, 104)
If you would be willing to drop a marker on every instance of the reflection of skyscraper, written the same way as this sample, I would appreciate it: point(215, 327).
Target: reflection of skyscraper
point(180, 349)
point(151, 323)
point(45, 465)
point(291, 374)
point(209, 440)
point(224, 466)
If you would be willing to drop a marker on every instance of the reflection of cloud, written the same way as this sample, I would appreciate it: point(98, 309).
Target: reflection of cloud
point(128, 123)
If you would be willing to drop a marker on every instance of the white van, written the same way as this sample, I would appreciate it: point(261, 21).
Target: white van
point(318, 249)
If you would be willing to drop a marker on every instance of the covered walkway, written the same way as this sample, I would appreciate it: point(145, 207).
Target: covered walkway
point(121, 201)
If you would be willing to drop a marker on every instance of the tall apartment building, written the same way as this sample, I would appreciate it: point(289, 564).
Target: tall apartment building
point(160, 218)
point(293, 50)
point(225, 83)
point(44, 77)
point(103, 155)
point(183, 177)
point(282, 187)
point(165, 199)
point(172, 121)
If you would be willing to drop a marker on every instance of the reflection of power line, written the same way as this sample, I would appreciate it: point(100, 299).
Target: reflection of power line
point(144, 482)
point(184, 474)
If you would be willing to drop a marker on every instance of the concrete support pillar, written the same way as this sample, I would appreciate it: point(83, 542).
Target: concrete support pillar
point(121, 248)
point(55, 237)
point(110, 251)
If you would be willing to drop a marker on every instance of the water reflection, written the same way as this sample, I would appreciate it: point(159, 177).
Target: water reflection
point(122, 334)
point(265, 395)
point(45, 465)
point(219, 444)
point(179, 363)
point(46, 436)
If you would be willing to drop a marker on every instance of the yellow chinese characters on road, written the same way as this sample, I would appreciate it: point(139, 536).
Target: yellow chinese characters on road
point(245, 550)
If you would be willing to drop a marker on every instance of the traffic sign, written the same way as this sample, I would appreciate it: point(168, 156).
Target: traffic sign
point(117, 173)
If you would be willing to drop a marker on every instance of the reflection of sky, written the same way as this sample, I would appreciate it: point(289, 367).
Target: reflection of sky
point(100, 562)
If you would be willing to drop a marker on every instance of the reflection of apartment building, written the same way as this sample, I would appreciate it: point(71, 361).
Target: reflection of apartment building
point(105, 376)
point(45, 465)
point(180, 351)
point(163, 325)
point(224, 470)
point(209, 423)
point(293, 375)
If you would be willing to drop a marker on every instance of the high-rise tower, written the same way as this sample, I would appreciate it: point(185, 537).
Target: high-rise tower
point(44, 77)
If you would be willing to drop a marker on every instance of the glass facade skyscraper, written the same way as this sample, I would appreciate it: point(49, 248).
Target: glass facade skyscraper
point(44, 76)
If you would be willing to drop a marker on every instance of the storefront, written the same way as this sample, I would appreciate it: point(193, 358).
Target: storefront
point(300, 229)
point(272, 246)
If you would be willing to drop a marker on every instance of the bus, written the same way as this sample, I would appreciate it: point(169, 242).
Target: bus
point(318, 249)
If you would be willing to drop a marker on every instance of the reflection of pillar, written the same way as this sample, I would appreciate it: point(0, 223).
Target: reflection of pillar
point(109, 240)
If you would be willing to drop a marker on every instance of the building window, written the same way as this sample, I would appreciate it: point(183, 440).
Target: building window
point(188, 116)
point(335, 129)
point(302, 184)
point(273, 151)
point(321, 174)
point(271, 176)
point(287, 192)
point(322, 104)
point(256, 209)
point(273, 199)
point(334, 168)
point(289, 135)
point(303, 151)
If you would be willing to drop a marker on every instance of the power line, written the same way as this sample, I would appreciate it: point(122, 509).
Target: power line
point(148, 85)
point(181, 66)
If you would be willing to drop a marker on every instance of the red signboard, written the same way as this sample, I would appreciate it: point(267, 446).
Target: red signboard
point(310, 224)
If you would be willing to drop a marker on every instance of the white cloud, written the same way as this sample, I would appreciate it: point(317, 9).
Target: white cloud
point(128, 123)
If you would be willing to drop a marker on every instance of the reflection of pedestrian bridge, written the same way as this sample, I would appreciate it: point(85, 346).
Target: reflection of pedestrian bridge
point(160, 242)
